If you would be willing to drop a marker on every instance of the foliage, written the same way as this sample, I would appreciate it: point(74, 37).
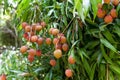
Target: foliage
point(8, 32)
point(12, 64)
point(93, 43)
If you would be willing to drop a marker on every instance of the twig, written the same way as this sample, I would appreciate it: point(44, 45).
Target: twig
point(107, 76)
point(7, 30)
point(68, 25)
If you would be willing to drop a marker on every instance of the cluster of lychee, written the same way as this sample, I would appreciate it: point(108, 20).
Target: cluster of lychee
point(60, 44)
point(59, 41)
point(30, 35)
point(108, 16)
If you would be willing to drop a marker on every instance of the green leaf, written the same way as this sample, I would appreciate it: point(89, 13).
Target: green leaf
point(15, 71)
point(102, 72)
point(108, 44)
point(115, 69)
point(111, 77)
point(82, 52)
point(117, 30)
point(105, 54)
point(92, 44)
point(118, 21)
point(92, 72)
point(46, 77)
point(75, 43)
point(87, 67)
point(102, 27)
point(79, 7)
point(91, 22)
point(108, 35)
point(94, 8)
point(22, 7)
point(50, 12)
point(39, 69)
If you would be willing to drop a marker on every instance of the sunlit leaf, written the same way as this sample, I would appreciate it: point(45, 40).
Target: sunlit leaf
point(108, 45)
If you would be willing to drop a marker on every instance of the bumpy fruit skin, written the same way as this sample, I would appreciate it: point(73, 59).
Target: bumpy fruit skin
point(63, 39)
point(43, 24)
point(32, 52)
point(30, 58)
point(50, 30)
point(38, 27)
point(34, 38)
point(113, 13)
point(52, 62)
point(32, 33)
point(115, 2)
point(101, 13)
point(33, 26)
point(23, 49)
point(55, 32)
point(3, 77)
point(40, 41)
point(71, 60)
point(107, 1)
point(38, 53)
point(48, 41)
point(99, 5)
point(55, 41)
point(108, 19)
point(27, 39)
point(27, 28)
point(57, 53)
point(60, 34)
point(68, 73)
point(24, 24)
point(65, 47)
point(58, 46)
point(25, 35)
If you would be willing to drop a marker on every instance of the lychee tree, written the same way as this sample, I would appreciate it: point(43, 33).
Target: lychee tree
point(68, 40)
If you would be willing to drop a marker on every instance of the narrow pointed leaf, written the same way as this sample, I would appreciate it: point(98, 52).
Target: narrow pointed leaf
point(108, 44)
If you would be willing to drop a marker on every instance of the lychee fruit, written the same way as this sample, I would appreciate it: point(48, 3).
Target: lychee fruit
point(24, 24)
point(52, 62)
point(23, 49)
point(63, 39)
point(55, 32)
point(99, 6)
point(40, 41)
point(101, 13)
point(43, 24)
point(108, 19)
point(34, 38)
point(113, 13)
point(25, 35)
point(71, 59)
point(33, 26)
point(57, 53)
point(32, 52)
point(48, 41)
point(65, 47)
point(58, 46)
point(38, 27)
point(107, 1)
point(55, 41)
point(30, 58)
point(27, 28)
point(115, 2)
point(50, 30)
point(38, 53)
point(3, 77)
point(68, 73)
